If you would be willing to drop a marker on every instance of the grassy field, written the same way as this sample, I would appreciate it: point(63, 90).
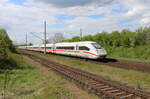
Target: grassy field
point(139, 53)
point(132, 78)
point(30, 80)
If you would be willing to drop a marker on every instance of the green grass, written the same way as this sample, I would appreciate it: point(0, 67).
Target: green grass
point(27, 82)
point(127, 77)
point(139, 53)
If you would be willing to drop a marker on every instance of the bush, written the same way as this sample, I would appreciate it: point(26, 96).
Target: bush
point(5, 46)
point(5, 42)
point(138, 52)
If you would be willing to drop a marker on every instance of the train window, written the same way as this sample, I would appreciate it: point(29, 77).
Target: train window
point(96, 45)
point(84, 48)
point(59, 47)
point(70, 47)
point(66, 47)
point(48, 47)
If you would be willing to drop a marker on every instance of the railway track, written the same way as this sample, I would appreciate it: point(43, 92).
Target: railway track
point(92, 83)
point(123, 64)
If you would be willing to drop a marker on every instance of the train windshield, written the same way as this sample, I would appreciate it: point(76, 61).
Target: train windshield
point(96, 45)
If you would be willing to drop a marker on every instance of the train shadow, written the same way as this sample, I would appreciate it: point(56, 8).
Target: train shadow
point(107, 60)
point(104, 60)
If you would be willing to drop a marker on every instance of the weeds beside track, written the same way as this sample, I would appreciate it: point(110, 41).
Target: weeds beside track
point(92, 83)
point(123, 64)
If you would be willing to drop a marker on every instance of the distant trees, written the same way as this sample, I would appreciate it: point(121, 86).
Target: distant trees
point(75, 39)
point(30, 44)
point(124, 38)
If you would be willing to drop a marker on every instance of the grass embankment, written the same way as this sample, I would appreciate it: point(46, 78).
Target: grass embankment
point(132, 78)
point(30, 80)
point(139, 53)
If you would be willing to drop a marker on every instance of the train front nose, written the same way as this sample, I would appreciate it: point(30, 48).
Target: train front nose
point(102, 53)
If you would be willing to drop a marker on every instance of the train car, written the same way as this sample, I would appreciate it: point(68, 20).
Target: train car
point(34, 48)
point(50, 48)
point(86, 49)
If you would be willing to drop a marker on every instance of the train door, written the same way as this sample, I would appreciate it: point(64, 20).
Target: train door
point(53, 48)
point(80, 50)
point(84, 51)
point(77, 53)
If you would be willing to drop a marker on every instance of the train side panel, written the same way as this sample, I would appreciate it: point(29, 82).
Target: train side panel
point(86, 49)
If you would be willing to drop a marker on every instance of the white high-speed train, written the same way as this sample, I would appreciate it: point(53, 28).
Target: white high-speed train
point(85, 49)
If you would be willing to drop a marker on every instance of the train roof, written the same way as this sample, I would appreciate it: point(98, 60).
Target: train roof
point(63, 43)
point(76, 42)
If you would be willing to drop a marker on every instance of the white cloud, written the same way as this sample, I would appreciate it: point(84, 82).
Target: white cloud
point(95, 25)
point(19, 20)
point(145, 21)
point(22, 19)
point(139, 10)
point(2, 1)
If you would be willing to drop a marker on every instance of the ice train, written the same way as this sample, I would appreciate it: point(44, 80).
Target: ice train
point(85, 49)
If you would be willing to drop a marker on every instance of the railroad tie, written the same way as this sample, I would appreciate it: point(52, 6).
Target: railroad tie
point(101, 87)
point(112, 91)
point(126, 96)
point(119, 93)
point(105, 89)
point(97, 85)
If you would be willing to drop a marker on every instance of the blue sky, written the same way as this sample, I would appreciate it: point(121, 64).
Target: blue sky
point(119, 10)
point(120, 7)
point(96, 16)
point(62, 16)
point(18, 2)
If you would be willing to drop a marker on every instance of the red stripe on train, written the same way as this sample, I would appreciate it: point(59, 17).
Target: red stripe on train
point(90, 53)
point(86, 52)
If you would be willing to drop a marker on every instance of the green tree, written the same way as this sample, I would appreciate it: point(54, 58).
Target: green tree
point(5, 43)
point(88, 38)
point(114, 39)
point(124, 38)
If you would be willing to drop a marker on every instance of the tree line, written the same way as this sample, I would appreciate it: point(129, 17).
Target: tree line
point(124, 38)
point(5, 44)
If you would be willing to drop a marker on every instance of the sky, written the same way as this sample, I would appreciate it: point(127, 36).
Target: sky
point(21, 17)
